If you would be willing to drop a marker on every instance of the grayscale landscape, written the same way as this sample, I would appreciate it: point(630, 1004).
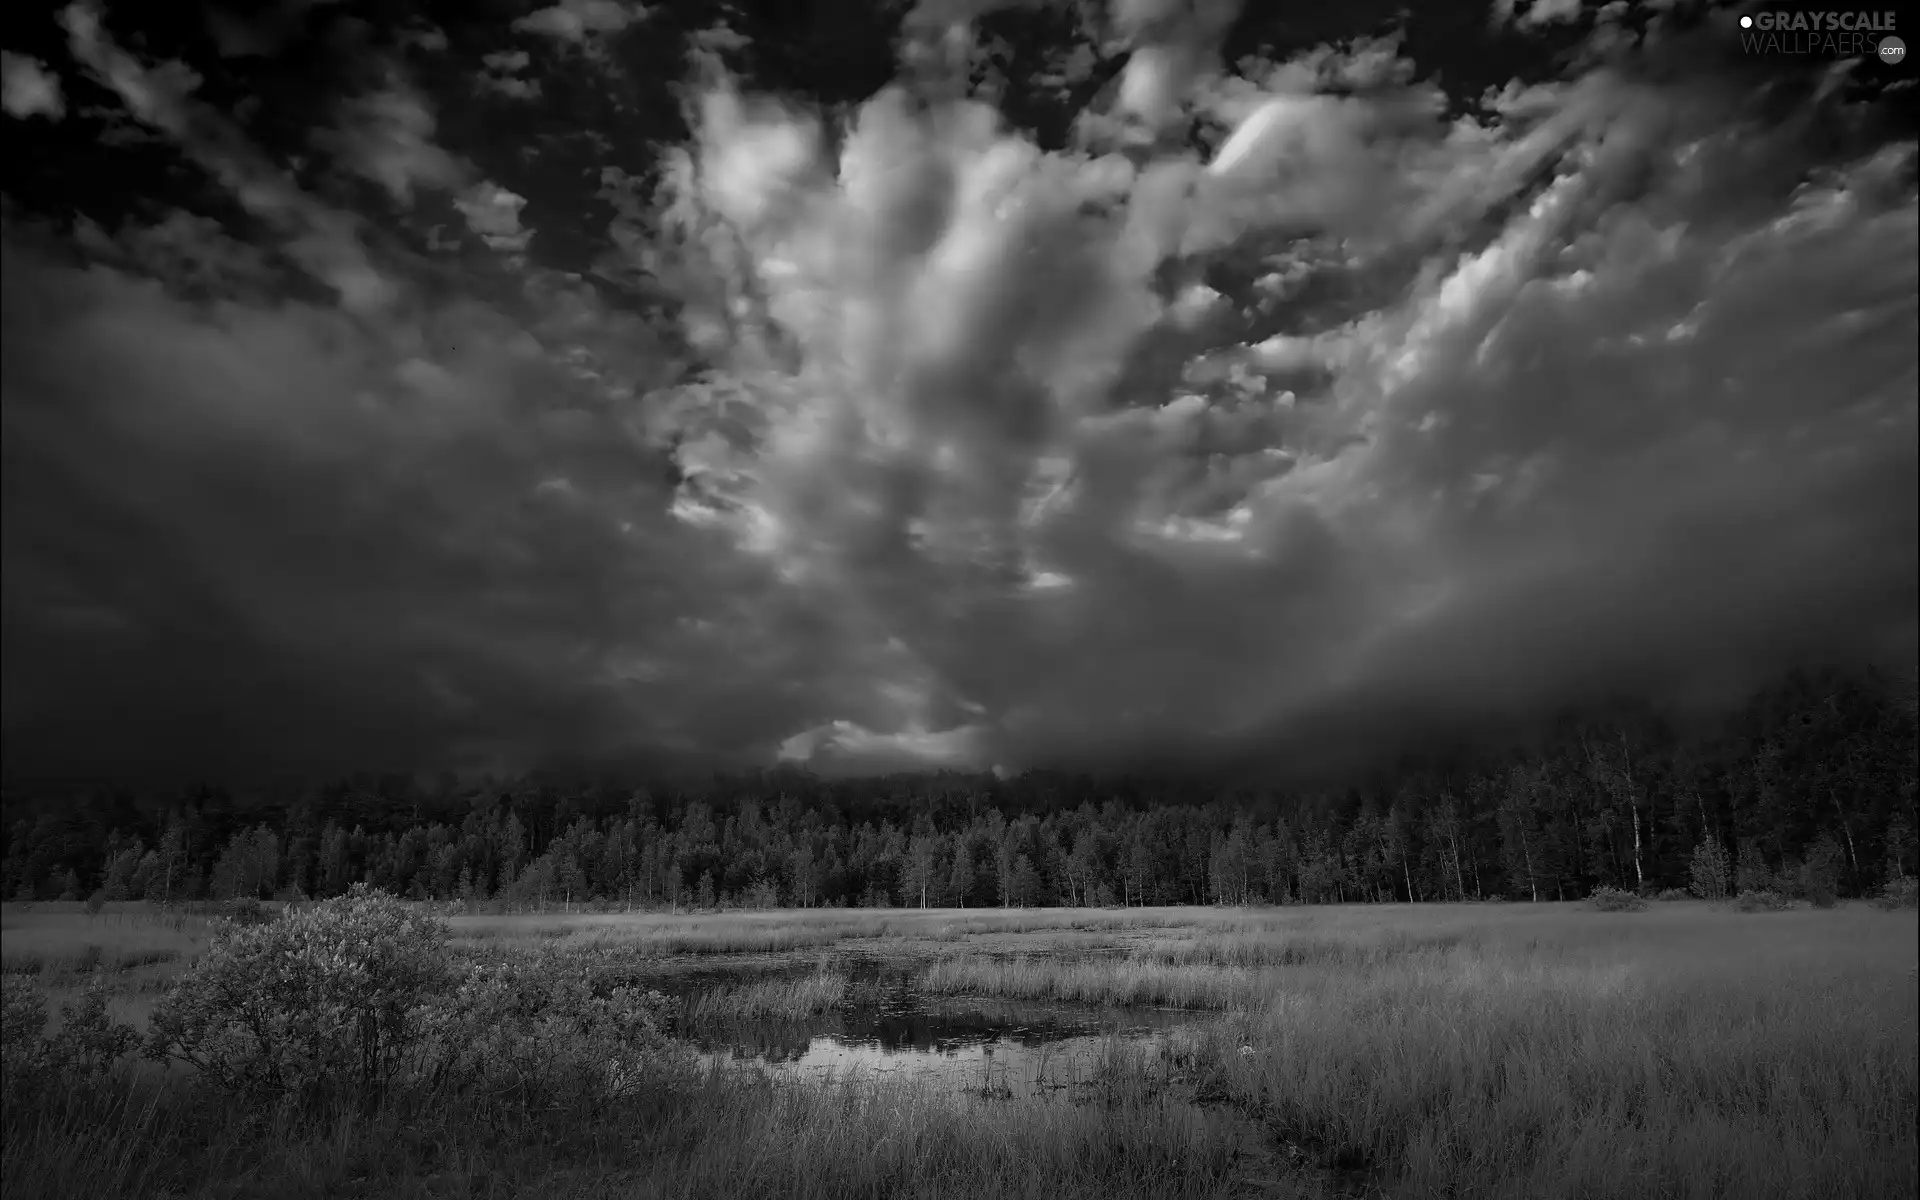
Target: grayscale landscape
point(959, 599)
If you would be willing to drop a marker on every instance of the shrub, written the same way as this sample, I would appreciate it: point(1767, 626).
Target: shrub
point(316, 1002)
point(1763, 900)
point(23, 1017)
point(1710, 872)
point(539, 1029)
point(359, 998)
point(1671, 894)
point(246, 910)
point(88, 1044)
point(1900, 892)
point(1612, 899)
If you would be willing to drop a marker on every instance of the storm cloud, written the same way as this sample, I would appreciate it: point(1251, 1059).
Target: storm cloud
point(935, 446)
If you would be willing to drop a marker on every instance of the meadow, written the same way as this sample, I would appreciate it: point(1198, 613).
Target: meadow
point(1485, 1050)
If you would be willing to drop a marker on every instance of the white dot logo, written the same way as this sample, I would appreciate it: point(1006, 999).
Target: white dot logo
point(1892, 51)
point(1746, 22)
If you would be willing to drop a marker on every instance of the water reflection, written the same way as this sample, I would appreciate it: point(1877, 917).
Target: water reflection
point(1001, 1048)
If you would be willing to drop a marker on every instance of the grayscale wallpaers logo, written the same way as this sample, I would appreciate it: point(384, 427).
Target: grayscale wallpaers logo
point(1834, 33)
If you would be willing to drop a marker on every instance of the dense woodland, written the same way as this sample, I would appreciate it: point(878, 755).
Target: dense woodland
point(1810, 787)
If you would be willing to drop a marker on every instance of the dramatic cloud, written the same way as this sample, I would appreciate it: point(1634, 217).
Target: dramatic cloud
point(898, 438)
point(1650, 427)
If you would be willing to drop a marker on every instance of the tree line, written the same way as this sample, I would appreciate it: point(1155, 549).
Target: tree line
point(1810, 788)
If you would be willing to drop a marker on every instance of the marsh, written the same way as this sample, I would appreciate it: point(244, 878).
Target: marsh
point(1690, 1049)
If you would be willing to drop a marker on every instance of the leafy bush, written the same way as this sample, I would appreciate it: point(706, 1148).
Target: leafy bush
point(1763, 900)
point(88, 1044)
point(537, 1029)
point(318, 1001)
point(1671, 894)
point(1612, 899)
point(360, 998)
point(1900, 892)
point(90, 1041)
point(23, 1017)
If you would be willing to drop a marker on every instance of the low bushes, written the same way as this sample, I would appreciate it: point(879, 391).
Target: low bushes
point(88, 1043)
point(1612, 899)
point(1763, 900)
point(1903, 892)
point(534, 1030)
point(359, 998)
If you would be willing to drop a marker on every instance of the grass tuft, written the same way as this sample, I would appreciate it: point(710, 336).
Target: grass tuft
point(782, 999)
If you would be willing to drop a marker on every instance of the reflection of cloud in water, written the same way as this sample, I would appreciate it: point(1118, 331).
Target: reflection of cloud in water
point(1024, 1069)
point(972, 1044)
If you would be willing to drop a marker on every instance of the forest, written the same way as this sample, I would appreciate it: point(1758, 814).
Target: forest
point(1808, 789)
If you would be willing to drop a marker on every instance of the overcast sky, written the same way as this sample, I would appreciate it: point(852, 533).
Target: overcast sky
point(949, 387)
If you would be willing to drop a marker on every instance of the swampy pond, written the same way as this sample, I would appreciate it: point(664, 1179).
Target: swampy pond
point(885, 1026)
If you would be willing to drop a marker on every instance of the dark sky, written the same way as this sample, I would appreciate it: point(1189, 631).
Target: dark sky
point(953, 384)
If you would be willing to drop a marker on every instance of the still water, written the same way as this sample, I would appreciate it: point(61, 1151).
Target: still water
point(1001, 1048)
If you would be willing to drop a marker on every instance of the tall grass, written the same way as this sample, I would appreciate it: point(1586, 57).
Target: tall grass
point(787, 999)
point(719, 1135)
point(1691, 1053)
point(88, 957)
point(1734, 1065)
point(65, 943)
point(888, 1138)
point(1290, 949)
point(1106, 982)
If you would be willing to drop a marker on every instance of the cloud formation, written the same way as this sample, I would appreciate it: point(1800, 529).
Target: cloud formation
point(933, 446)
point(580, 21)
point(1627, 406)
point(28, 89)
